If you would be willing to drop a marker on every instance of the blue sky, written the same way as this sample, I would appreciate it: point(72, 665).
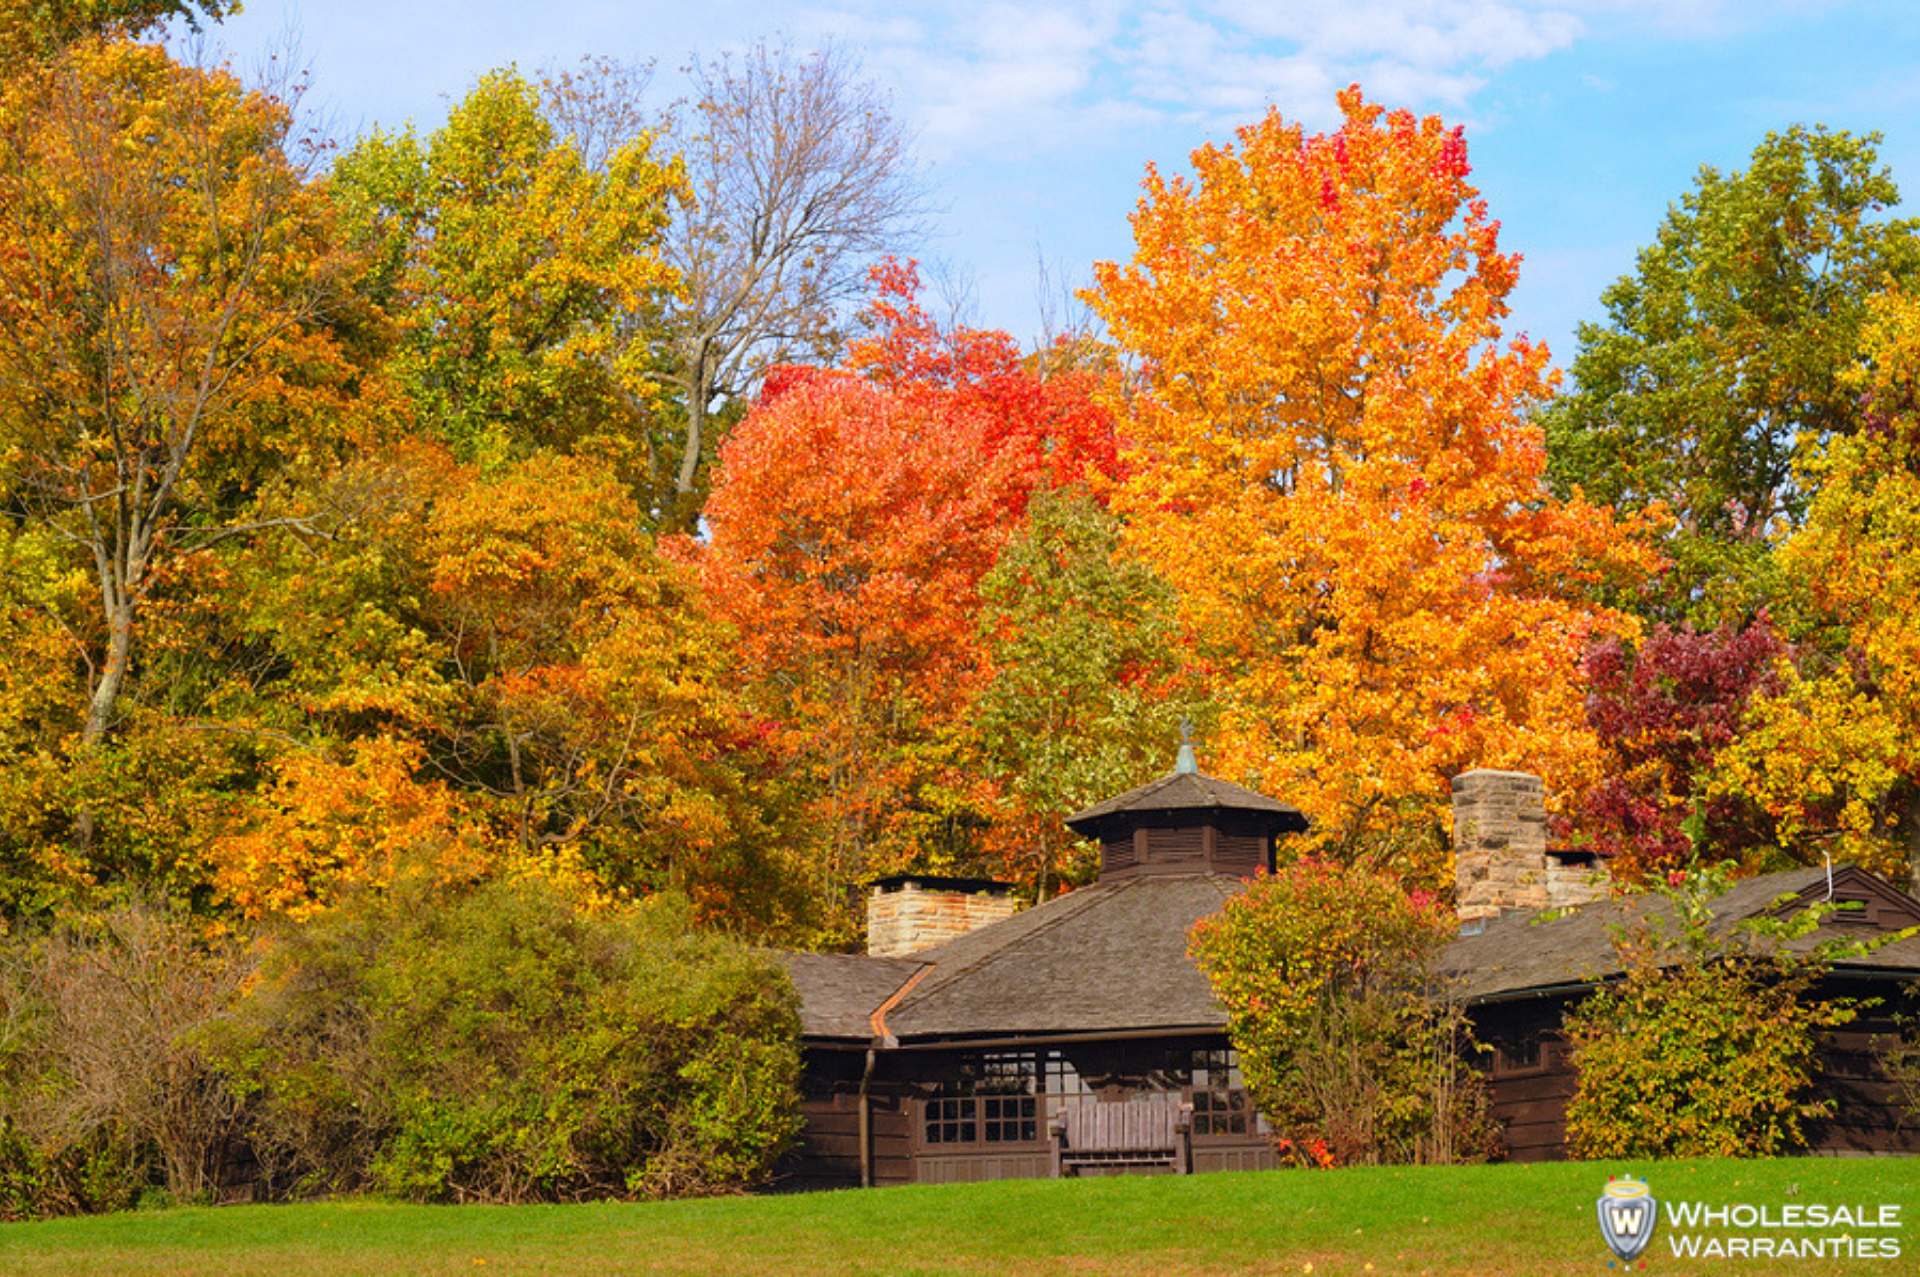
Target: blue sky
point(1585, 119)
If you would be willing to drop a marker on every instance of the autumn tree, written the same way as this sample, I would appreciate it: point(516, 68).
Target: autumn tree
point(849, 535)
point(506, 257)
point(1332, 462)
point(1665, 710)
point(171, 302)
point(1830, 755)
point(592, 708)
point(33, 29)
point(1086, 694)
point(857, 511)
point(1720, 368)
point(503, 662)
point(800, 178)
point(1039, 416)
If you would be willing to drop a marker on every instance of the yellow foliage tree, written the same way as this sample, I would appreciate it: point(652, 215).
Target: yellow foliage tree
point(327, 824)
point(1333, 463)
point(172, 301)
point(1834, 758)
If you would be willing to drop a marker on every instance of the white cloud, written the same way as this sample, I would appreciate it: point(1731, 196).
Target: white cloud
point(1012, 79)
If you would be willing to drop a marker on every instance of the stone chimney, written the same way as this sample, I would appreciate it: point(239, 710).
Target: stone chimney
point(1501, 861)
point(910, 912)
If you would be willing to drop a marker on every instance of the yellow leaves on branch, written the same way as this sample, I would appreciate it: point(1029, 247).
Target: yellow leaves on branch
point(1832, 757)
point(327, 824)
point(1332, 462)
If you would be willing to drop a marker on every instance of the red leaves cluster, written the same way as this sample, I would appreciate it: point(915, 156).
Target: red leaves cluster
point(1663, 711)
point(855, 513)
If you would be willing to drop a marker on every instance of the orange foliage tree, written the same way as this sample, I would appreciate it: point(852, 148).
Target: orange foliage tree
point(1332, 462)
point(856, 512)
point(325, 825)
point(509, 654)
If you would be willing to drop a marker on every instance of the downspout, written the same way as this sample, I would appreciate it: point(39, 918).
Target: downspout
point(866, 1123)
point(877, 1022)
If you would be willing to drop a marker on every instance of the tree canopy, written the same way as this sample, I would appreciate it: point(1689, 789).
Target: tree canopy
point(1722, 365)
point(577, 491)
point(1333, 462)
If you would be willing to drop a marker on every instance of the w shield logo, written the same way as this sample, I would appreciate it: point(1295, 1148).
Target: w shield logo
point(1627, 1216)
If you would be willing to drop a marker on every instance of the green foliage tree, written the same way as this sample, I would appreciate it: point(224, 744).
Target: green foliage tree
point(1720, 365)
point(1083, 700)
point(505, 258)
point(1328, 977)
point(1705, 1048)
point(507, 1043)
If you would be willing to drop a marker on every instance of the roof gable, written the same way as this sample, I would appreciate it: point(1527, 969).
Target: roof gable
point(1106, 959)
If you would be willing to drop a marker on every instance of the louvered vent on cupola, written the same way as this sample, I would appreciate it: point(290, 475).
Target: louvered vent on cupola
point(1186, 823)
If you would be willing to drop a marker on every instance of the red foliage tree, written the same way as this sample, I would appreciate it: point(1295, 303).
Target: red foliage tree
point(1664, 711)
point(856, 511)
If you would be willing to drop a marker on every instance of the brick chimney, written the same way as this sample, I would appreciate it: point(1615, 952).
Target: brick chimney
point(1501, 861)
point(910, 912)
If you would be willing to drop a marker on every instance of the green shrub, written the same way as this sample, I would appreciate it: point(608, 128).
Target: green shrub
point(1706, 1046)
point(505, 1043)
point(1899, 1054)
point(1346, 1044)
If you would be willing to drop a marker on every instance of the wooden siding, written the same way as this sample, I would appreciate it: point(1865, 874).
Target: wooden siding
point(1243, 1154)
point(1530, 1101)
point(1188, 842)
point(1011, 1162)
point(1870, 1117)
point(828, 1154)
point(1530, 1075)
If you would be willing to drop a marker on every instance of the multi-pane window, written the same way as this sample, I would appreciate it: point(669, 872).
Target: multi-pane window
point(951, 1120)
point(1007, 1097)
point(990, 1099)
point(1220, 1103)
point(1517, 1052)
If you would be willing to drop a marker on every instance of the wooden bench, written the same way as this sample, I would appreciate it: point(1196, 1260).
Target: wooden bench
point(1135, 1134)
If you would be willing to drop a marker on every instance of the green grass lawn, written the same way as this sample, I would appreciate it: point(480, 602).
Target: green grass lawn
point(1488, 1219)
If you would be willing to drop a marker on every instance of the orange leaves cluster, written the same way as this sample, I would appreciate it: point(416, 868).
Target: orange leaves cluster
point(326, 825)
point(1333, 463)
point(855, 514)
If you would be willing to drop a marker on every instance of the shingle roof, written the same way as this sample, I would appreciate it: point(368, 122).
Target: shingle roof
point(1526, 953)
point(1186, 791)
point(1110, 957)
point(1107, 958)
point(839, 992)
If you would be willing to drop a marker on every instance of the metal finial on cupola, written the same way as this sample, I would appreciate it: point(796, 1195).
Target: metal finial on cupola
point(1185, 763)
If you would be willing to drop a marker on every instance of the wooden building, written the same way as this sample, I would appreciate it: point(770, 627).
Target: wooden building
point(1522, 972)
point(1075, 1037)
